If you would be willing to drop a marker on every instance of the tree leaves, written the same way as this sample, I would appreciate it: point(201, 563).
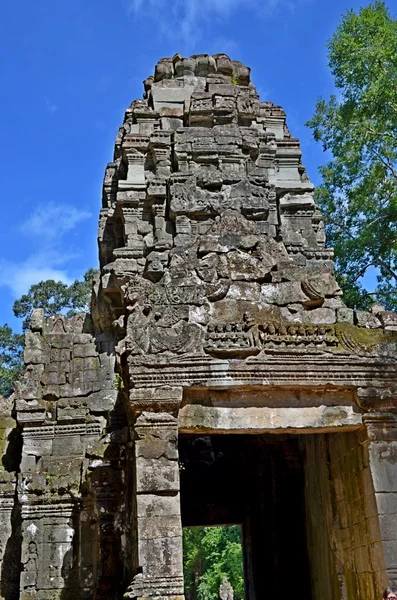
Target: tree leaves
point(210, 553)
point(358, 195)
point(56, 297)
point(11, 349)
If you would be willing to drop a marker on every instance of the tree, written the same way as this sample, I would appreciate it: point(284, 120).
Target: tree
point(11, 349)
point(210, 553)
point(358, 195)
point(55, 297)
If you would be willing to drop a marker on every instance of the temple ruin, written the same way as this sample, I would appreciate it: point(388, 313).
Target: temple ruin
point(219, 378)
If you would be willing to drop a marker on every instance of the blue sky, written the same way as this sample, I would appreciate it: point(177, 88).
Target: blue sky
point(70, 69)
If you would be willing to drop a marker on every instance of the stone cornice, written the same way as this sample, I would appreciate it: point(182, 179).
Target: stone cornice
point(302, 371)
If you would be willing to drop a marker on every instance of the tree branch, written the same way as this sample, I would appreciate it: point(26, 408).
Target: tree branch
point(377, 261)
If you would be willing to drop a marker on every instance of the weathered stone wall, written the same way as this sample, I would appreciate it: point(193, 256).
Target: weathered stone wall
point(345, 540)
point(69, 486)
point(10, 534)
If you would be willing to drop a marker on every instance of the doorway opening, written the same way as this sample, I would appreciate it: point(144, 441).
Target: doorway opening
point(213, 563)
point(256, 481)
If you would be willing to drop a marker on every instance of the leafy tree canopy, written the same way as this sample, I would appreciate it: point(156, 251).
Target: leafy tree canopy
point(358, 195)
point(11, 349)
point(210, 553)
point(55, 297)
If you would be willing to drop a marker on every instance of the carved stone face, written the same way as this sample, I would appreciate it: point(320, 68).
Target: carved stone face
point(155, 264)
point(207, 268)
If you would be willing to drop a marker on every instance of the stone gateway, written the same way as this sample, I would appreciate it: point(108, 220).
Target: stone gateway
point(219, 378)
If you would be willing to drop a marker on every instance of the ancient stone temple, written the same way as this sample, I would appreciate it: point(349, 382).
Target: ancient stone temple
point(219, 378)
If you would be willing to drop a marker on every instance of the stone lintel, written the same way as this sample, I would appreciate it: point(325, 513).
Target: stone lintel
point(254, 420)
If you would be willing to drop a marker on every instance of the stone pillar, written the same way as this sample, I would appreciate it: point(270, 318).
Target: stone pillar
point(382, 452)
point(158, 526)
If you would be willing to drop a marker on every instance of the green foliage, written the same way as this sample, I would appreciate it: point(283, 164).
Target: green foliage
point(210, 553)
point(56, 297)
point(234, 79)
point(11, 349)
point(358, 195)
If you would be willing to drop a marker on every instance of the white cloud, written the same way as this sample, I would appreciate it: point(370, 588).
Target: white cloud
point(50, 106)
point(46, 226)
point(50, 221)
point(187, 19)
point(20, 276)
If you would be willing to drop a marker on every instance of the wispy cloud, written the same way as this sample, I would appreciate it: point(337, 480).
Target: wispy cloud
point(50, 106)
point(187, 19)
point(50, 221)
point(46, 228)
point(20, 276)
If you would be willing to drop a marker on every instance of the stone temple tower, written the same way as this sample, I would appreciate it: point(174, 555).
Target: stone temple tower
point(218, 379)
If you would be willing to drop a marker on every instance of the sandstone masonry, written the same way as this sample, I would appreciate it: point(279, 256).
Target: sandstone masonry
point(216, 312)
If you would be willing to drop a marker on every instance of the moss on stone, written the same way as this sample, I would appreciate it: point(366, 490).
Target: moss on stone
point(367, 339)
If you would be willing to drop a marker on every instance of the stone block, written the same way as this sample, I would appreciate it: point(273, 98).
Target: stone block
point(69, 445)
point(60, 340)
point(319, 316)
point(386, 503)
point(86, 364)
point(156, 475)
point(36, 349)
point(28, 579)
point(152, 505)
point(283, 293)
point(244, 291)
point(374, 532)
point(104, 401)
point(388, 320)
point(377, 556)
point(165, 526)
point(390, 554)
point(28, 464)
point(62, 355)
point(82, 338)
point(60, 367)
point(295, 201)
point(37, 320)
point(388, 527)
point(53, 378)
point(345, 315)
point(383, 464)
point(37, 447)
point(157, 444)
point(171, 97)
point(366, 585)
point(51, 391)
point(71, 409)
point(162, 556)
point(362, 559)
point(366, 319)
